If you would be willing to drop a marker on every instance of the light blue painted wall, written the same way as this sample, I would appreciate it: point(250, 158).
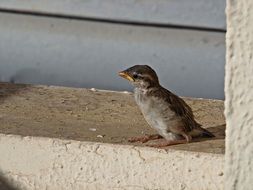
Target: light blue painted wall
point(70, 52)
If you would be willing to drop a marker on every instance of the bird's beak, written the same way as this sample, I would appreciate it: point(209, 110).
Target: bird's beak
point(126, 76)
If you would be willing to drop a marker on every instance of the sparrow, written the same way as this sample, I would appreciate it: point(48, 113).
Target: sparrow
point(163, 110)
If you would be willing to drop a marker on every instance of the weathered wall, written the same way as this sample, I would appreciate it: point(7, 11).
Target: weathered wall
point(239, 95)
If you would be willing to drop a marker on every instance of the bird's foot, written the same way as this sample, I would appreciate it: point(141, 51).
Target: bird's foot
point(145, 138)
point(168, 143)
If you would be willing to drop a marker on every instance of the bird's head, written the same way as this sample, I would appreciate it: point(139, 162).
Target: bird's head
point(141, 76)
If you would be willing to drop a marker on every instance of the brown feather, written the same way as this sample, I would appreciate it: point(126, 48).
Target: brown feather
point(178, 105)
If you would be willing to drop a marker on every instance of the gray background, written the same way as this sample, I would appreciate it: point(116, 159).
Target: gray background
point(85, 43)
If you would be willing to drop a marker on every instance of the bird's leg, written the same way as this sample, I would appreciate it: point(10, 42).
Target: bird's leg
point(145, 138)
point(187, 137)
point(172, 142)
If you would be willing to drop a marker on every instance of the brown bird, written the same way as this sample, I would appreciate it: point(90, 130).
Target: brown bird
point(164, 111)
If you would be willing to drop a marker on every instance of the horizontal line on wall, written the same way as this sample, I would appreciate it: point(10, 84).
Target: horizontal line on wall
point(123, 22)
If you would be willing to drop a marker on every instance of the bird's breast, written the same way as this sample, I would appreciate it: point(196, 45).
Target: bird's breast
point(143, 101)
point(156, 111)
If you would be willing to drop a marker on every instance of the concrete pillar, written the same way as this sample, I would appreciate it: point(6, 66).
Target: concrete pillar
point(239, 95)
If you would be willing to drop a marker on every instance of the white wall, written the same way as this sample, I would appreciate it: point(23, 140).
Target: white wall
point(239, 95)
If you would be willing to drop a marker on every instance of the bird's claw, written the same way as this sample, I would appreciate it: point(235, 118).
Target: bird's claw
point(145, 138)
point(168, 143)
point(157, 145)
point(138, 139)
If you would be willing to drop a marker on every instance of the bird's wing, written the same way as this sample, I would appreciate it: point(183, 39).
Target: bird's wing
point(180, 108)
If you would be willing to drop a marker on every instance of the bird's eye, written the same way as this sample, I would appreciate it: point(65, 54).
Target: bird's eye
point(135, 76)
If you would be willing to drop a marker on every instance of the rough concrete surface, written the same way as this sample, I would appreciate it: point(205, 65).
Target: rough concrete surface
point(52, 164)
point(239, 95)
point(66, 138)
point(97, 116)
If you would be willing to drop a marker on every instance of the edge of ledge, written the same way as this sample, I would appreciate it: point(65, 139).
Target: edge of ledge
point(127, 146)
point(34, 162)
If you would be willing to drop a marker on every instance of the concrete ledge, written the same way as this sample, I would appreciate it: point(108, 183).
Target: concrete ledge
point(66, 138)
point(47, 163)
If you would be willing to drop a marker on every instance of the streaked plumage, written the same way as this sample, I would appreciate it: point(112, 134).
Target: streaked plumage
point(164, 111)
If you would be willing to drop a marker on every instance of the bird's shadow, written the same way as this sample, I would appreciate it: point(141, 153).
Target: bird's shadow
point(218, 131)
point(7, 90)
point(5, 184)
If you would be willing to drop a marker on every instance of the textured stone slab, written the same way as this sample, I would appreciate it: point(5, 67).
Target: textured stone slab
point(49, 164)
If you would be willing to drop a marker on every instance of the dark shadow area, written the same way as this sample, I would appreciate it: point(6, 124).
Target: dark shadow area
point(5, 184)
point(9, 89)
point(218, 131)
point(214, 145)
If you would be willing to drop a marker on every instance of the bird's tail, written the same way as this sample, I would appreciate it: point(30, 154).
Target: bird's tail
point(206, 133)
point(199, 131)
